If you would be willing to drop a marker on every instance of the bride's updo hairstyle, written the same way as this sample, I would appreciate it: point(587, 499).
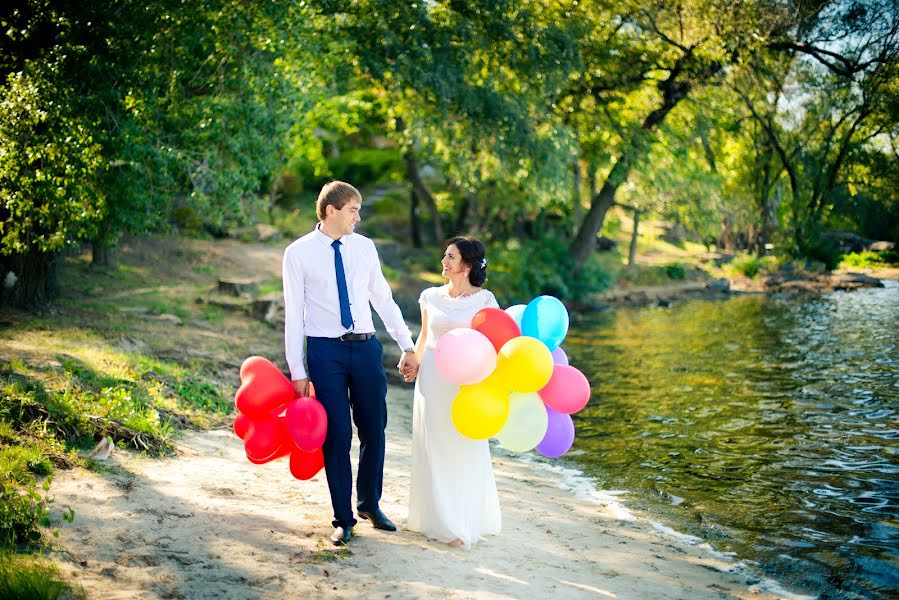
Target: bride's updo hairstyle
point(473, 252)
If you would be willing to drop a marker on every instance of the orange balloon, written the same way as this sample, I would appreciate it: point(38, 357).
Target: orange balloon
point(304, 465)
point(263, 388)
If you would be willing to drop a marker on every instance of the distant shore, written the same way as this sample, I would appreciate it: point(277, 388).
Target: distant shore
point(664, 295)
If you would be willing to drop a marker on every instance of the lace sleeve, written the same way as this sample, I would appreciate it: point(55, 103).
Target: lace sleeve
point(423, 298)
point(490, 300)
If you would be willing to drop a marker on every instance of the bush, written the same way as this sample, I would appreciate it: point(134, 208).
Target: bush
point(675, 271)
point(517, 274)
point(22, 511)
point(883, 258)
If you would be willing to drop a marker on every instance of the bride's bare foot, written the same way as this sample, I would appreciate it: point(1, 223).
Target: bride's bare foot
point(455, 543)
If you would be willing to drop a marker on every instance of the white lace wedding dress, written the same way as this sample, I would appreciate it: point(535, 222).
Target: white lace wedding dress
point(453, 492)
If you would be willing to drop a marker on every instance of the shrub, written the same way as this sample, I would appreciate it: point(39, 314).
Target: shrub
point(22, 511)
point(871, 259)
point(675, 271)
point(518, 273)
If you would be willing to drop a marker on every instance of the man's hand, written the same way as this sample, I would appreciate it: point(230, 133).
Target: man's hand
point(408, 366)
point(301, 386)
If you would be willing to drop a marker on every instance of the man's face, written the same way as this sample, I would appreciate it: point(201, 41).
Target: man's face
point(344, 221)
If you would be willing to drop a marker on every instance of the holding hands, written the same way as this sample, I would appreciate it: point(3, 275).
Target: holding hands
point(408, 366)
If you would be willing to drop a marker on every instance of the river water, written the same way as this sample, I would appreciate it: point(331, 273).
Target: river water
point(767, 426)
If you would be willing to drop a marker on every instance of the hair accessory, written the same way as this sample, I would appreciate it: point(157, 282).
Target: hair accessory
point(484, 263)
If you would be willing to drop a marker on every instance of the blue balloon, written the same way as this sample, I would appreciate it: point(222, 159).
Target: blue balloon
point(546, 319)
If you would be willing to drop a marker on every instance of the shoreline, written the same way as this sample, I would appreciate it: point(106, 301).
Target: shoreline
point(722, 289)
point(208, 524)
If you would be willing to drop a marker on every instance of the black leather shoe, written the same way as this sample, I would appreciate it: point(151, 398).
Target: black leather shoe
point(378, 519)
point(341, 536)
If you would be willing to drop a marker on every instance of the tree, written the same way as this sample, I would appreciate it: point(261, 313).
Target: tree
point(114, 109)
point(826, 103)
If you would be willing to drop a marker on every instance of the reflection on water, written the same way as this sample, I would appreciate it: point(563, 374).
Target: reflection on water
point(768, 426)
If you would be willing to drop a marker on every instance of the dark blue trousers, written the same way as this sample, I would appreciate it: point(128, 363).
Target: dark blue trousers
point(349, 376)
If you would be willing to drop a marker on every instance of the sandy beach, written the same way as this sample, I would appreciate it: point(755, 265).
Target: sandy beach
point(208, 524)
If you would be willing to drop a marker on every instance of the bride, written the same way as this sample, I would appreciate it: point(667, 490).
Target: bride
point(453, 496)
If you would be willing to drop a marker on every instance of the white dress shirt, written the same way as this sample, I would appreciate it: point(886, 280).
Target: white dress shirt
point(311, 304)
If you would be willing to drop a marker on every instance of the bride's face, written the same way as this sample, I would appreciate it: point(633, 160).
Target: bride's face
point(453, 266)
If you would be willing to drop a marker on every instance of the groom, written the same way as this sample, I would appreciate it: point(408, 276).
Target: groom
point(330, 276)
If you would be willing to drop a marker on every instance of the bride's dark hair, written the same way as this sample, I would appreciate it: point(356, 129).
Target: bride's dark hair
point(472, 253)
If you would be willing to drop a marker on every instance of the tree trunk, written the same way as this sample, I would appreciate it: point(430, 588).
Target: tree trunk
point(674, 89)
point(577, 206)
point(632, 252)
point(414, 220)
point(424, 195)
point(29, 280)
point(103, 255)
point(585, 240)
point(465, 210)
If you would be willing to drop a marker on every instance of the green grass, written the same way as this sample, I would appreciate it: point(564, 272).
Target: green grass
point(31, 578)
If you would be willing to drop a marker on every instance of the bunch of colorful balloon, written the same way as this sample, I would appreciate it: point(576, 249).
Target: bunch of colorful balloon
point(273, 422)
point(515, 380)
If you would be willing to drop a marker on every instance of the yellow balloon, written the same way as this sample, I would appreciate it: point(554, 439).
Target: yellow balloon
point(524, 364)
point(480, 410)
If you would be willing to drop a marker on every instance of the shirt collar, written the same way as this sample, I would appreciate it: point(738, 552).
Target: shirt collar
point(326, 239)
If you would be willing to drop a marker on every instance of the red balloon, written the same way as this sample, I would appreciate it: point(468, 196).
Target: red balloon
point(567, 390)
point(280, 452)
point(265, 438)
point(304, 465)
point(241, 425)
point(263, 388)
point(307, 423)
point(497, 325)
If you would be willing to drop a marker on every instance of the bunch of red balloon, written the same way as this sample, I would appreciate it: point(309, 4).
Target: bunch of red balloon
point(514, 379)
point(273, 422)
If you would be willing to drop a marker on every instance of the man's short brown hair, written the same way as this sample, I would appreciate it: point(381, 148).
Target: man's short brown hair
point(336, 194)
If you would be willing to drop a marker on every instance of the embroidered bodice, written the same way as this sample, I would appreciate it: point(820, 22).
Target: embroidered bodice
point(446, 313)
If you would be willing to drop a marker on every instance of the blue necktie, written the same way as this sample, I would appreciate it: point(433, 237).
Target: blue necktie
point(346, 317)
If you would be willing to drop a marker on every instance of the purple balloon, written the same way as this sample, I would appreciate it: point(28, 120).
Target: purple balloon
point(559, 435)
point(559, 357)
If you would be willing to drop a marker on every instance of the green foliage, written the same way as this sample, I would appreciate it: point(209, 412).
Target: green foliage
point(748, 265)
point(517, 273)
point(20, 463)
point(202, 395)
point(675, 271)
point(29, 578)
point(23, 509)
point(883, 258)
point(367, 166)
point(824, 250)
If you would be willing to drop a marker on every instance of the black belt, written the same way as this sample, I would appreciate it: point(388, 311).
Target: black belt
point(356, 337)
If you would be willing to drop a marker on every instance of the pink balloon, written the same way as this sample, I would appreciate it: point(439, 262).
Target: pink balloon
point(465, 356)
point(307, 423)
point(559, 356)
point(567, 391)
